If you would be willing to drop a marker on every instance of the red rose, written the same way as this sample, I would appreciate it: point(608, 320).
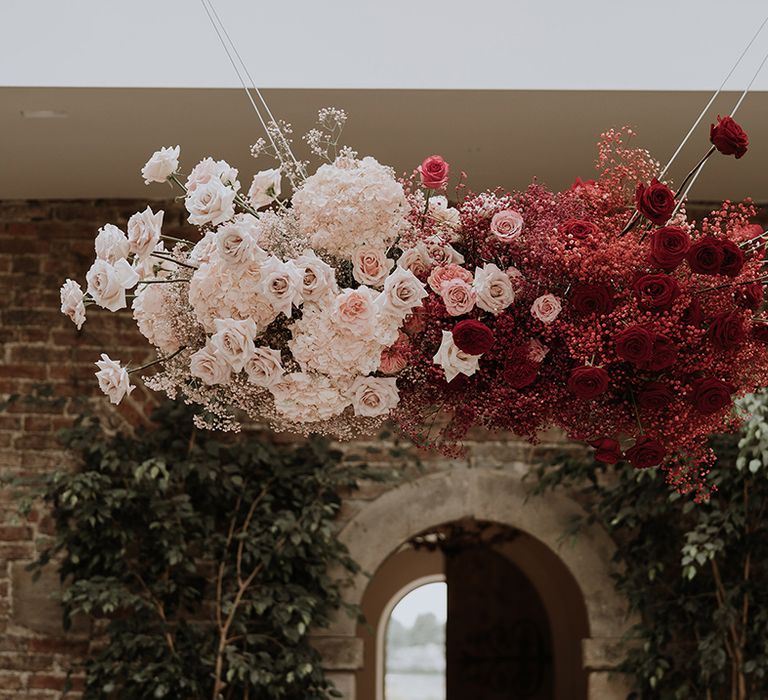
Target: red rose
point(664, 353)
point(749, 296)
point(606, 450)
point(711, 395)
point(694, 314)
point(733, 258)
point(578, 228)
point(588, 299)
point(728, 137)
point(518, 374)
point(434, 173)
point(472, 337)
point(588, 382)
point(656, 292)
point(668, 247)
point(726, 331)
point(655, 202)
point(654, 396)
point(760, 332)
point(635, 345)
point(705, 256)
point(647, 452)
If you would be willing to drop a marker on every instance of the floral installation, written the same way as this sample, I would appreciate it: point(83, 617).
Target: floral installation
point(602, 310)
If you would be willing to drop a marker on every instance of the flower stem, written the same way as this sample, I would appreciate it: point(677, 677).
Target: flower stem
point(173, 260)
point(158, 361)
point(178, 279)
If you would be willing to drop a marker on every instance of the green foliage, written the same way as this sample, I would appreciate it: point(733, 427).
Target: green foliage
point(695, 574)
point(204, 563)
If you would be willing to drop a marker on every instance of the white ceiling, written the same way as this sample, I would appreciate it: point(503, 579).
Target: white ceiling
point(400, 44)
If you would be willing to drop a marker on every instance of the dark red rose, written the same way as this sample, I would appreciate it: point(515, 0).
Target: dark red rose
point(668, 247)
point(654, 396)
point(655, 202)
point(656, 292)
point(726, 331)
point(749, 296)
point(711, 395)
point(434, 173)
point(472, 337)
point(635, 345)
point(578, 228)
point(606, 450)
point(520, 373)
point(694, 314)
point(588, 382)
point(733, 259)
point(664, 353)
point(760, 332)
point(647, 452)
point(705, 256)
point(588, 299)
point(728, 137)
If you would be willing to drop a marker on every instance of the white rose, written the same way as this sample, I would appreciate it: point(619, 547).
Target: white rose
point(319, 280)
point(494, 289)
point(161, 165)
point(374, 396)
point(265, 188)
point(237, 245)
point(417, 260)
point(111, 244)
point(403, 292)
point(210, 203)
point(107, 283)
point(208, 170)
point(72, 302)
point(113, 379)
point(209, 366)
point(144, 232)
point(233, 341)
point(370, 266)
point(264, 367)
point(546, 308)
point(281, 284)
point(442, 213)
point(455, 361)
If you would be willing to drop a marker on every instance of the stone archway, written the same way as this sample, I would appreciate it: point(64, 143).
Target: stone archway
point(494, 495)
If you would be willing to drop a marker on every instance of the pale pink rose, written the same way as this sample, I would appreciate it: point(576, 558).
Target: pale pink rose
point(494, 289)
point(107, 283)
point(207, 170)
point(113, 379)
point(416, 260)
point(506, 225)
point(72, 302)
point(233, 341)
point(374, 396)
point(210, 203)
point(237, 245)
point(537, 351)
point(458, 296)
point(444, 273)
point(281, 284)
point(355, 310)
point(209, 366)
point(265, 188)
point(395, 358)
point(319, 281)
point(264, 367)
point(455, 361)
point(403, 292)
point(144, 232)
point(546, 308)
point(111, 244)
point(370, 266)
point(161, 165)
point(443, 254)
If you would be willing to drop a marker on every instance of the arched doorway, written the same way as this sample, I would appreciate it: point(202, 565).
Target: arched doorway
point(566, 576)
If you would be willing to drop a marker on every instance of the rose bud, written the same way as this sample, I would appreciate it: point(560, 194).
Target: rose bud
point(434, 173)
point(607, 450)
point(711, 395)
point(668, 247)
point(646, 453)
point(655, 202)
point(588, 382)
point(728, 137)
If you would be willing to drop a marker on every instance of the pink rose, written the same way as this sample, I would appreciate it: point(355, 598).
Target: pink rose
point(506, 225)
point(370, 266)
point(355, 309)
point(434, 173)
point(546, 308)
point(441, 275)
point(417, 260)
point(458, 297)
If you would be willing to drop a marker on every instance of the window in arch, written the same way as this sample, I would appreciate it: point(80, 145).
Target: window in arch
point(414, 655)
